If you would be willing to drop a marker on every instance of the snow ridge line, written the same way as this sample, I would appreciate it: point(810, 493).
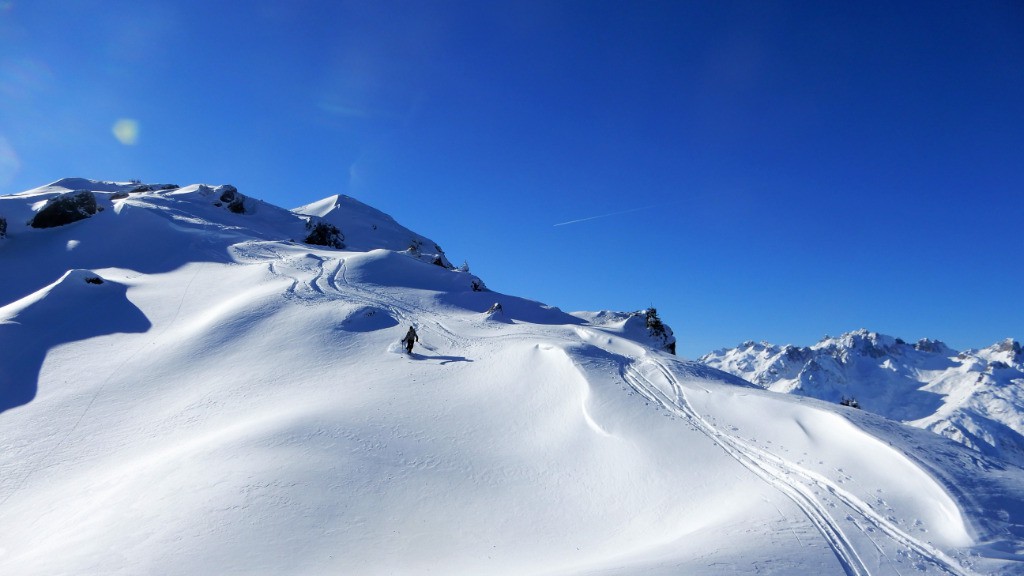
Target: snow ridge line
point(777, 472)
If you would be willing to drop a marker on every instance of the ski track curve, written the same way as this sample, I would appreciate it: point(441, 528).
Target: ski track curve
point(321, 284)
point(318, 284)
point(791, 479)
point(399, 309)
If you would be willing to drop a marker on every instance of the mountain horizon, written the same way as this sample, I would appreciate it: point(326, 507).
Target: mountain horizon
point(974, 397)
point(194, 379)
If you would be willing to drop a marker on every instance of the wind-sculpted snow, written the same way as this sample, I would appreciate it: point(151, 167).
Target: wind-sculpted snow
point(367, 318)
point(634, 325)
point(77, 306)
point(254, 413)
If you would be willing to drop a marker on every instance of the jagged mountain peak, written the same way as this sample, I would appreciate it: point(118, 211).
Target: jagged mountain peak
point(934, 347)
point(861, 341)
point(1004, 354)
point(974, 397)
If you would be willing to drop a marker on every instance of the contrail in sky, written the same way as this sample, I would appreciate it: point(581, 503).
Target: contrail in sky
point(607, 215)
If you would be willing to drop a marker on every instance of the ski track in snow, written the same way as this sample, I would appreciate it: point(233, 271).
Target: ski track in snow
point(399, 310)
point(792, 480)
point(334, 284)
point(865, 535)
point(795, 482)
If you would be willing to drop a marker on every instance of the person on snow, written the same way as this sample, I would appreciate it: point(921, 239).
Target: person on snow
point(410, 337)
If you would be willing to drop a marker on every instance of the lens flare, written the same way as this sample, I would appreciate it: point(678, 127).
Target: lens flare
point(126, 131)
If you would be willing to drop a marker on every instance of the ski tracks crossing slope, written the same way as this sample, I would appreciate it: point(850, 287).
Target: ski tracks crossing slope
point(316, 278)
point(794, 481)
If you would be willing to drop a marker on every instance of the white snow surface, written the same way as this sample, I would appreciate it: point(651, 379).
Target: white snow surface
point(230, 400)
point(974, 397)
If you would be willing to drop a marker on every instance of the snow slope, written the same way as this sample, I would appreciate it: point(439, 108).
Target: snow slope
point(975, 397)
point(231, 400)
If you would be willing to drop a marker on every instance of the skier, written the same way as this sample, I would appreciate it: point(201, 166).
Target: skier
point(410, 337)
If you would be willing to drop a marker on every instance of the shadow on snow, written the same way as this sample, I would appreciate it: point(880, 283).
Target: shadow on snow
point(64, 315)
point(441, 358)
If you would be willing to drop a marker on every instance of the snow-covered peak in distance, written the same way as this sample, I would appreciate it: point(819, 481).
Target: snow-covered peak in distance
point(189, 385)
point(1004, 354)
point(975, 397)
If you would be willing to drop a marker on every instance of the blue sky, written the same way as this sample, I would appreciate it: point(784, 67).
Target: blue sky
point(758, 170)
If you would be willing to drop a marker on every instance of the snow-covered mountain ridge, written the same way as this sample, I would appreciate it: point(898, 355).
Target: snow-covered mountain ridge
point(188, 386)
point(975, 397)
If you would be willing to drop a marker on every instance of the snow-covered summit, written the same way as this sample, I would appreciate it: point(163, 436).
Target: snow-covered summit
point(367, 228)
point(195, 381)
point(1003, 354)
point(167, 225)
point(975, 397)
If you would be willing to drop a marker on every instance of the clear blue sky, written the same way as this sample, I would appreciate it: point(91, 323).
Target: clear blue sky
point(780, 170)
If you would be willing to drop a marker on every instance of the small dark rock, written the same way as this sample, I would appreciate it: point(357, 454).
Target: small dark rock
point(324, 234)
point(234, 200)
point(228, 193)
point(65, 209)
point(851, 402)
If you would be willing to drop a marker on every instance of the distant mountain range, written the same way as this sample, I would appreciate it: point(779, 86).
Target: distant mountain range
point(975, 397)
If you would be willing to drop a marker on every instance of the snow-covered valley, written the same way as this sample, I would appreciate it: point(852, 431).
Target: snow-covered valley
point(186, 386)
